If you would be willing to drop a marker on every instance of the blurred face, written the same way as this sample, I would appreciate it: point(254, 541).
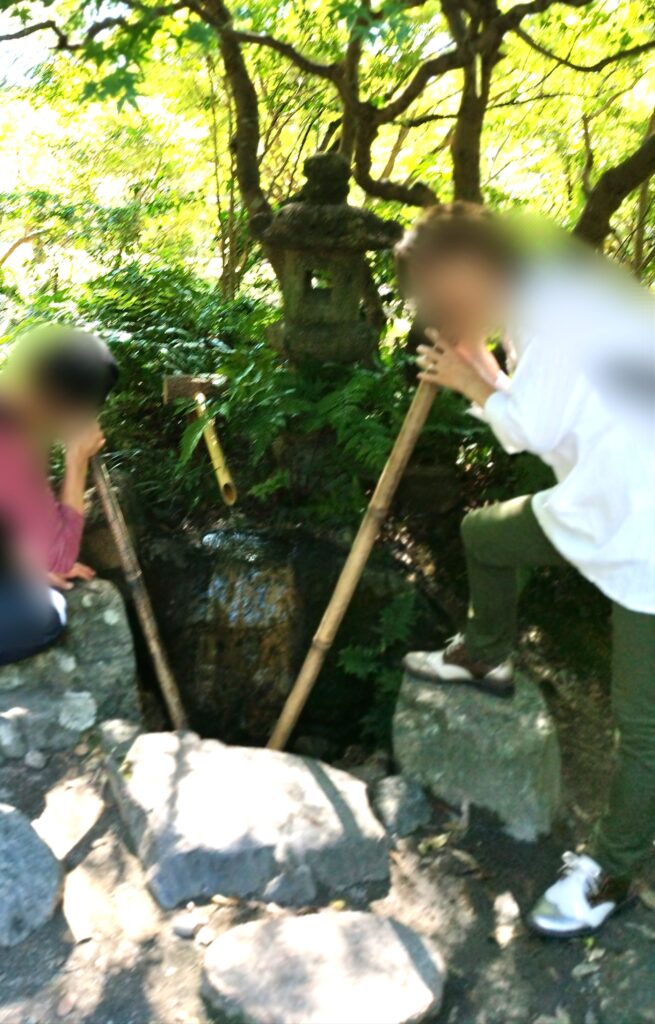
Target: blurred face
point(59, 419)
point(458, 295)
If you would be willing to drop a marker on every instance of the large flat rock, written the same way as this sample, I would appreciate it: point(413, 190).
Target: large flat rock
point(30, 878)
point(206, 818)
point(465, 746)
point(47, 701)
point(350, 968)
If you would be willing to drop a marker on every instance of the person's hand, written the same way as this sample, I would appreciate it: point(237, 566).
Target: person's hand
point(86, 443)
point(64, 581)
point(443, 365)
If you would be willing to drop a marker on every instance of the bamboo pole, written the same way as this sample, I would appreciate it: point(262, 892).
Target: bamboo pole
point(356, 562)
point(224, 479)
point(135, 581)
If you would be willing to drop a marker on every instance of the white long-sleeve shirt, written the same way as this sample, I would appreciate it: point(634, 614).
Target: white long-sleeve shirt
point(583, 399)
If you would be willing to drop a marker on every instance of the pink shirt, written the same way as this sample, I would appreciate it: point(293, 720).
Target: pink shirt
point(48, 533)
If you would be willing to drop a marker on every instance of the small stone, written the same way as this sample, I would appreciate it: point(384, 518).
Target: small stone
point(584, 969)
point(188, 924)
point(350, 968)
point(647, 897)
point(35, 759)
point(374, 769)
point(12, 743)
point(78, 711)
point(508, 917)
point(205, 936)
point(117, 736)
point(401, 805)
point(30, 878)
point(66, 1005)
point(296, 888)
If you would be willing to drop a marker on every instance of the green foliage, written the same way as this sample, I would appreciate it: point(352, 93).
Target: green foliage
point(318, 435)
point(378, 659)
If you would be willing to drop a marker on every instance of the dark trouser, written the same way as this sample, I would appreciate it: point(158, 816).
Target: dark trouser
point(504, 538)
point(29, 620)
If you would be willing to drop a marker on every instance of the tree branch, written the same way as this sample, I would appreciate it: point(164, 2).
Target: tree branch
point(613, 186)
point(64, 42)
point(312, 67)
point(515, 15)
point(411, 195)
point(423, 119)
point(425, 73)
point(40, 26)
point(633, 51)
point(21, 241)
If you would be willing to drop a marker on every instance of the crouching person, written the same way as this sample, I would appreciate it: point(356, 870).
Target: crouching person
point(52, 385)
point(582, 398)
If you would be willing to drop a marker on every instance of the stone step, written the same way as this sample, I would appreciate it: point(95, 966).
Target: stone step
point(209, 819)
point(465, 746)
point(329, 968)
point(48, 701)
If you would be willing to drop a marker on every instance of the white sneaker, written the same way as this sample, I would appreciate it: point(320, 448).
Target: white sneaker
point(580, 901)
point(455, 665)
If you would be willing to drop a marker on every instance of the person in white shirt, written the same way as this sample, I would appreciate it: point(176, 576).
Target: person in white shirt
point(582, 398)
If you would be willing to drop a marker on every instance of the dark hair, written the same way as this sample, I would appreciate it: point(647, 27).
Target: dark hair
point(456, 229)
point(78, 371)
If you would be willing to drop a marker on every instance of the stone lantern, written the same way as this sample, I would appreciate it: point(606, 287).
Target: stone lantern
point(317, 243)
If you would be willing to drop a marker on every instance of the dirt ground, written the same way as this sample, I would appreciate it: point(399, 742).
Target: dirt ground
point(112, 957)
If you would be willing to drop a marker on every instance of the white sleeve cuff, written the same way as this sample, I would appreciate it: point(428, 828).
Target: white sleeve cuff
point(498, 414)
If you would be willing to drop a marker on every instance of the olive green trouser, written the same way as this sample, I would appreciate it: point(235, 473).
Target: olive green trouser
point(500, 540)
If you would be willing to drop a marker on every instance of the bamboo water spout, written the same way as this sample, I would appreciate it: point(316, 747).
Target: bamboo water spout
point(356, 562)
point(197, 388)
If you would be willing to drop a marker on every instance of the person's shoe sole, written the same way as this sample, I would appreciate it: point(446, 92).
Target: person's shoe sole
point(581, 933)
point(502, 690)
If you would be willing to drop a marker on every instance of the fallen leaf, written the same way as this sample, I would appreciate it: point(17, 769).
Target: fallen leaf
point(224, 901)
point(432, 843)
point(469, 862)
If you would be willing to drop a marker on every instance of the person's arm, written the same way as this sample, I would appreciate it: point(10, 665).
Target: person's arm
point(534, 414)
point(538, 410)
point(79, 452)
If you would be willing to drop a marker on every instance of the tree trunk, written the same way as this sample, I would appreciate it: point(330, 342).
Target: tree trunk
point(467, 137)
point(611, 189)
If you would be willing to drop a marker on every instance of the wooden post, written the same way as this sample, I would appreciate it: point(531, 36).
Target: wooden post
point(135, 581)
point(355, 563)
